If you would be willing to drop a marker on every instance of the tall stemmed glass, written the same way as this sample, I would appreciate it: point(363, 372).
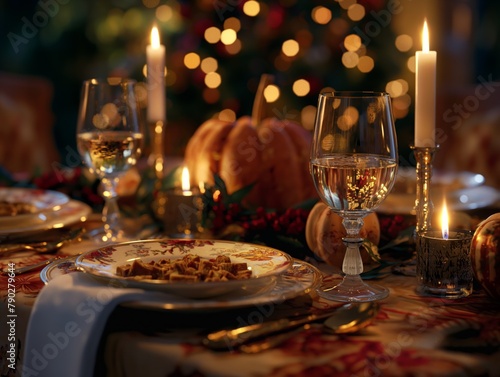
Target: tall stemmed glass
point(354, 160)
point(109, 141)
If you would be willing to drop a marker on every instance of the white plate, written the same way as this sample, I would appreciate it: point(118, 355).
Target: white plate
point(265, 263)
point(43, 202)
point(302, 278)
point(463, 191)
point(69, 213)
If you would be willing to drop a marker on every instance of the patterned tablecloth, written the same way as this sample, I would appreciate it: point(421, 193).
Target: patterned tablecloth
point(411, 336)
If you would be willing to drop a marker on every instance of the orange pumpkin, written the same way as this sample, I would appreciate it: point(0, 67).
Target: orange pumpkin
point(324, 232)
point(271, 154)
point(485, 255)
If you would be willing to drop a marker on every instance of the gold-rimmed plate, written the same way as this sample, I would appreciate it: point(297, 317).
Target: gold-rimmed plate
point(266, 265)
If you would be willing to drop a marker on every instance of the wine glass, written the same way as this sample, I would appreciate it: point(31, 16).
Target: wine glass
point(353, 163)
point(109, 139)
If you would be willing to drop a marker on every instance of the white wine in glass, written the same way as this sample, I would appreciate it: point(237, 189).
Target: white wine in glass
point(354, 160)
point(109, 139)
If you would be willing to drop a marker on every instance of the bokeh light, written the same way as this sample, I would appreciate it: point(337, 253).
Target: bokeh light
point(251, 8)
point(366, 64)
point(227, 115)
point(356, 12)
point(212, 35)
point(321, 15)
point(209, 65)
point(271, 93)
point(290, 47)
point(228, 36)
point(301, 87)
point(192, 60)
point(232, 23)
point(352, 42)
point(307, 116)
point(350, 59)
point(404, 42)
point(213, 80)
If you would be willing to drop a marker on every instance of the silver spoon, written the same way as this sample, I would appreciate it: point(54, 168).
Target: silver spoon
point(347, 318)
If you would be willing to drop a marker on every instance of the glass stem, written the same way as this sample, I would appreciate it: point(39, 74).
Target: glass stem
point(352, 264)
point(110, 212)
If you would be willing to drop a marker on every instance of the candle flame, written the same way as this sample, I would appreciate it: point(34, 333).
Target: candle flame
point(425, 38)
point(155, 37)
point(185, 184)
point(444, 222)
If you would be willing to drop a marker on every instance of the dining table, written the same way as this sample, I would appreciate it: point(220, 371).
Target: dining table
point(60, 321)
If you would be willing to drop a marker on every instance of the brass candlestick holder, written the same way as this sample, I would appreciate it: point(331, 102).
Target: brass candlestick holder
point(156, 156)
point(423, 202)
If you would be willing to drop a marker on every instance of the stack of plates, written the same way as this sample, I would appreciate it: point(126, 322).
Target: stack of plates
point(276, 276)
point(25, 209)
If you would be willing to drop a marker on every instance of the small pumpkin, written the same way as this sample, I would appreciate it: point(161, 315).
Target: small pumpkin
point(485, 255)
point(324, 233)
point(270, 154)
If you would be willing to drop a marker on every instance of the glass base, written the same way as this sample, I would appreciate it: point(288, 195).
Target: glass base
point(353, 289)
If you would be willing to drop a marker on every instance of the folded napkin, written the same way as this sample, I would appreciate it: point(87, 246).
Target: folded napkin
point(67, 321)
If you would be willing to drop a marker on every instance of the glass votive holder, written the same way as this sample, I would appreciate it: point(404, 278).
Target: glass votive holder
point(444, 267)
point(180, 211)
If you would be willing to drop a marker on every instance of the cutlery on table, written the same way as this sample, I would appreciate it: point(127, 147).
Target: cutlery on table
point(347, 318)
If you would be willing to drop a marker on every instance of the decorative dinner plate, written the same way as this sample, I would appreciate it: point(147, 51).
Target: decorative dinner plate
point(67, 214)
point(264, 263)
point(301, 278)
point(463, 191)
point(33, 205)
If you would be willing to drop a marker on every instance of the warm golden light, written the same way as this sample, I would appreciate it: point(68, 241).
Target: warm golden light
point(301, 87)
point(212, 35)
point(251, 8)
point(191, 60)
point(444, 222)
point(403, 42)
point(356, 12)
point(209, 65)
point(290, 47)
point(352, 42)
point(155, 37)
point(185, 184)
point(213, 80)
point(228, 36)
point(366, 64)
point(425, 38)
point(271, 93)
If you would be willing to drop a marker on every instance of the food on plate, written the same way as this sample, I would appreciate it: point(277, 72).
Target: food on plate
point(16, 208)
point(189, 268)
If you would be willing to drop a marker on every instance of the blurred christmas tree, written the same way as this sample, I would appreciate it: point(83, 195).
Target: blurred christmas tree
point(216, 52)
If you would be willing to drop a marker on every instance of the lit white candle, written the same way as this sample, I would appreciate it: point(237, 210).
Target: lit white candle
point(155, 54)
point(425, 94)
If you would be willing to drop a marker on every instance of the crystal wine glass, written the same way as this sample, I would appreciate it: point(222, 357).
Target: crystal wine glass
point(353, 163)
point(109, 139)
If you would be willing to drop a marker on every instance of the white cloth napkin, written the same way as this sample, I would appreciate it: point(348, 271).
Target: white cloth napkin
point(66, 324)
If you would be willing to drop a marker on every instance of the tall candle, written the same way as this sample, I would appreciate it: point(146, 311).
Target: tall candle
point(425, 94)
point(155, 54)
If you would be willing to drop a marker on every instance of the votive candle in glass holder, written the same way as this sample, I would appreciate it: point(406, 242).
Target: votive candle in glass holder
point(443, 263)
point(180, 211)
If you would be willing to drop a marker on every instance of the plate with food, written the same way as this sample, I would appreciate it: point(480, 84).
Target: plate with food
point(190, 268)
point(70, 213)
point(300, 279)
point(24, 206)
